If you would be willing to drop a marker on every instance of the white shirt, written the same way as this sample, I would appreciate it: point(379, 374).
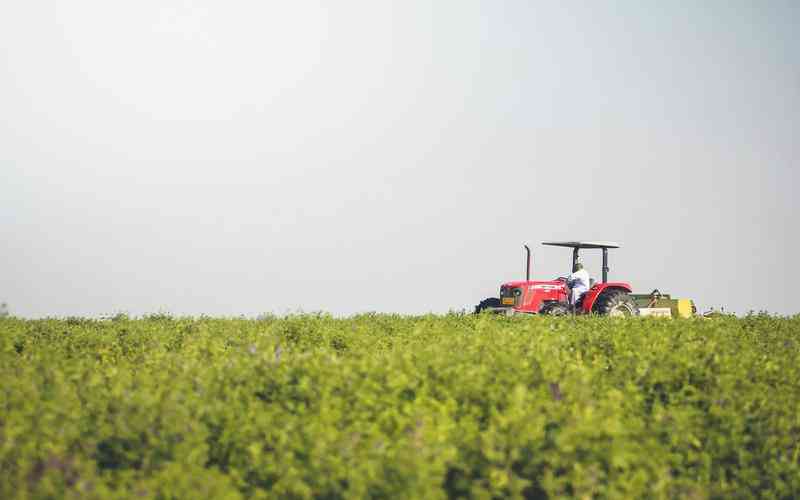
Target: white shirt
point(579, 279)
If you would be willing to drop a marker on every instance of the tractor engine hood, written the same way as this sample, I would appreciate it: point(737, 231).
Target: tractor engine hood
point(534, 283)
point(529, 296)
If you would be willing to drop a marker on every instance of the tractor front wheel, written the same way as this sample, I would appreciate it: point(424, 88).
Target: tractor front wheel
point(616, 304)
point(487, 304)
point(555, 309)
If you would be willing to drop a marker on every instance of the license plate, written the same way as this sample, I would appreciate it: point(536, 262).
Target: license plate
point(508, 301)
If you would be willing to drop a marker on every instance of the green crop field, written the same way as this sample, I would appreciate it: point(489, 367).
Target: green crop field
point(378, 406)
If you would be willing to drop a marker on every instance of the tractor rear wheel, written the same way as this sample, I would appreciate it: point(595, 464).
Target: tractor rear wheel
point(554, 309)
point(487, 304)
point(616, 303)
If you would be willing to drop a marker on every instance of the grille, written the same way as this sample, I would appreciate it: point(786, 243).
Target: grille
point(514, 292)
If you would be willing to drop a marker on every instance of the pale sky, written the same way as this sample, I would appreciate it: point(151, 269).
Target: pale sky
point(240, 157)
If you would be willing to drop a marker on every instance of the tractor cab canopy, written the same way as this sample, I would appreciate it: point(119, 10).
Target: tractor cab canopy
point(582, 244)
point(577, 245)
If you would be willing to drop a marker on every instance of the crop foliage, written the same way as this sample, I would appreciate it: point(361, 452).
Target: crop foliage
point(310, 406)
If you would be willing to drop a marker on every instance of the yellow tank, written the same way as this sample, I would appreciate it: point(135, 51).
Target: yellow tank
point(682, 308)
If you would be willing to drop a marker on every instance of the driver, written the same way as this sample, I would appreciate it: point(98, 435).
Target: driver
point(578, 282)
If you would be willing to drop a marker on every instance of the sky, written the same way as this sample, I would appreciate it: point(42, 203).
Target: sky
point(235, 158)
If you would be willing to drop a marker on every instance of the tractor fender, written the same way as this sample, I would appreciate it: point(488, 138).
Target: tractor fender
point(590, 297)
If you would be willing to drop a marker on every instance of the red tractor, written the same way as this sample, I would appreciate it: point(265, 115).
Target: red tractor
point(551, 297)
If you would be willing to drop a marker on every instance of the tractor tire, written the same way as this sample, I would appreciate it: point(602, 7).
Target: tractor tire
point(487, 303)
point(616, 303)
point(554, 309)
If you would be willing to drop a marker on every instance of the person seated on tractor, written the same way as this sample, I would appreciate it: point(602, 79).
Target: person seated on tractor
point(578, 283)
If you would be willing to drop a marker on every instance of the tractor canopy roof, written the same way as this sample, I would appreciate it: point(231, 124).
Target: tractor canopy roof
point(582, 244)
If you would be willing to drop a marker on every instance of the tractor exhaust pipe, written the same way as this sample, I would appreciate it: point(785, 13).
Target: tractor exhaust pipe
point(528, 265)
